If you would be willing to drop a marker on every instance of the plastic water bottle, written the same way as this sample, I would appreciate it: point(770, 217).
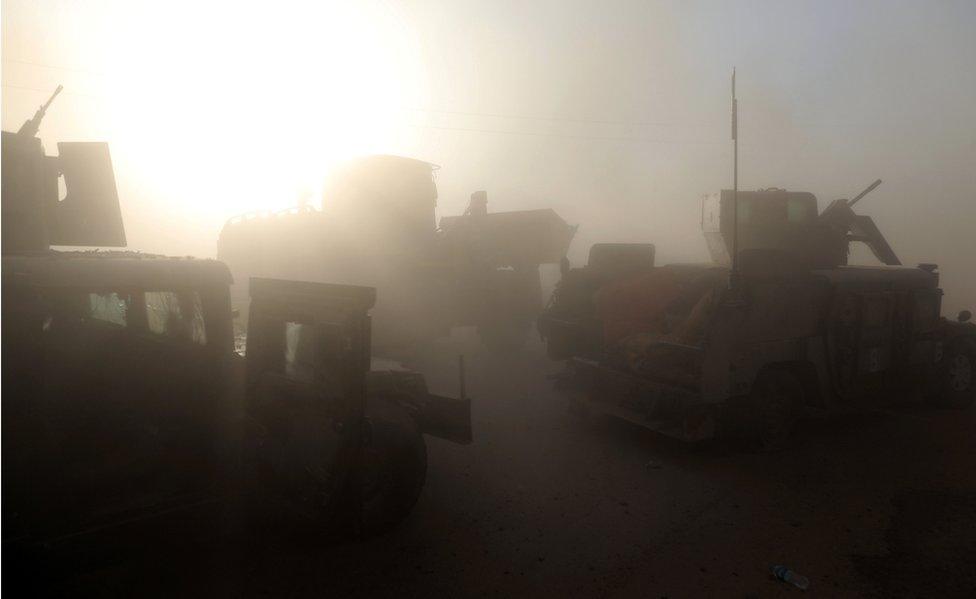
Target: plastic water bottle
point(786, 575)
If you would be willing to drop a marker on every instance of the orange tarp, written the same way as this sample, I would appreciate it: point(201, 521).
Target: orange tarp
point(636, 305)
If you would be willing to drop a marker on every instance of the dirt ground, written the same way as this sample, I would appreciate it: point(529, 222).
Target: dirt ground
point(881, 504)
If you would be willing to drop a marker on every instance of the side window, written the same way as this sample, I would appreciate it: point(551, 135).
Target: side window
point(66, 309)
point(764, 213)
point(798, 211)
point(176, 315)
point(300, 351)
point(744, 210)
point(109, 307)
point(313, 353)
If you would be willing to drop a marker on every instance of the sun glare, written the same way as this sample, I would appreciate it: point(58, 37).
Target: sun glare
point(228, 110)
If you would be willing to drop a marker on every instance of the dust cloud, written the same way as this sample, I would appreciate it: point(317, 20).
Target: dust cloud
point(615, 114)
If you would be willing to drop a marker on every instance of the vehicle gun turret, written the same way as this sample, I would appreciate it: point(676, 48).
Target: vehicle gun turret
point(31, 126)
point(35, 215)
point(840, 216)
point(377, 227)
point(788, 222)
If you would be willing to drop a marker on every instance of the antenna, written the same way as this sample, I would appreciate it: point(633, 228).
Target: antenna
point(734, 274)
point(461, 379)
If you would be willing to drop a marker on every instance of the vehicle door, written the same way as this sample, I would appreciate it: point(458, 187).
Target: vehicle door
point(84, 433)
point(308, 351)
point(180, 370)
point(860, 340)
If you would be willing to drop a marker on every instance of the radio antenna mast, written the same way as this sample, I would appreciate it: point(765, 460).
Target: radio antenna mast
point(734, 275)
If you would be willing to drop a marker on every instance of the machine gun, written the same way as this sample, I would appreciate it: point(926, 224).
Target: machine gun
point(840, 216)
point(34, 216)
point(30, 127)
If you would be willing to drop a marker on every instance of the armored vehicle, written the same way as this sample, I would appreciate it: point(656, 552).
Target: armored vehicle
point(692, 350)
point(377, 227)
point(124, 398)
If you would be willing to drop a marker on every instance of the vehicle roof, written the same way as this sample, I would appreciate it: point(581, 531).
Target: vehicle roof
point(856, 274)
point(903, 275)
point(698, 269)
point(355, 297)
point(388, 160)
point(95, 269)
point(695, 266)
point(258, 219)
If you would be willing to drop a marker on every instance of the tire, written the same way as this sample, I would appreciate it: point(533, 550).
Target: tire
point(774, 409)
point(392, 472)
point(956, 386)
point(394, 466)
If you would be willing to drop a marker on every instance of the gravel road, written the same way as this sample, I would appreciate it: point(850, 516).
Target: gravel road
point(879, 504)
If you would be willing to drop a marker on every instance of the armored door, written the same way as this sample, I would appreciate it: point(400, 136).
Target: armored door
point(860, 340)
point(307, 357)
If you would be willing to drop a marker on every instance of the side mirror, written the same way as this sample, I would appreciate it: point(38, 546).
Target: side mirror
point(964, 316)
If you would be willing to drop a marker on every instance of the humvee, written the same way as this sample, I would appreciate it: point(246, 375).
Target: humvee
point(124, 398)
point(377, 227)
point(678, 349)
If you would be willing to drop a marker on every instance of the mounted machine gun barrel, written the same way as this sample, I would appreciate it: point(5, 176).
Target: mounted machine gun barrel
point(31, 126)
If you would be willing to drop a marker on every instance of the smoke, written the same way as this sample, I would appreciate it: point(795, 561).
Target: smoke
point(615, 114)
point(630, 107)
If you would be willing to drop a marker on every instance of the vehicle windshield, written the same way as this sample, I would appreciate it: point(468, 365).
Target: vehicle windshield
point(176, 315)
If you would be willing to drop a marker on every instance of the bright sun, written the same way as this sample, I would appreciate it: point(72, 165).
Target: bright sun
point(224, 110)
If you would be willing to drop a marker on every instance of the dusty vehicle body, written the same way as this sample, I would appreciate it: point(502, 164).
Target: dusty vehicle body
point(674, 348)
point(570, 323)
point(377, 227)
point(124, 398)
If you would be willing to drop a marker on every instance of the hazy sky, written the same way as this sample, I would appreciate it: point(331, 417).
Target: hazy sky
point(614, 113)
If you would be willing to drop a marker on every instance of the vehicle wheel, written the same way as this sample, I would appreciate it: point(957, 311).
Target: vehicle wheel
point(298, 488)
point(394, 466)
point(776, 400)
point(957, 377)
